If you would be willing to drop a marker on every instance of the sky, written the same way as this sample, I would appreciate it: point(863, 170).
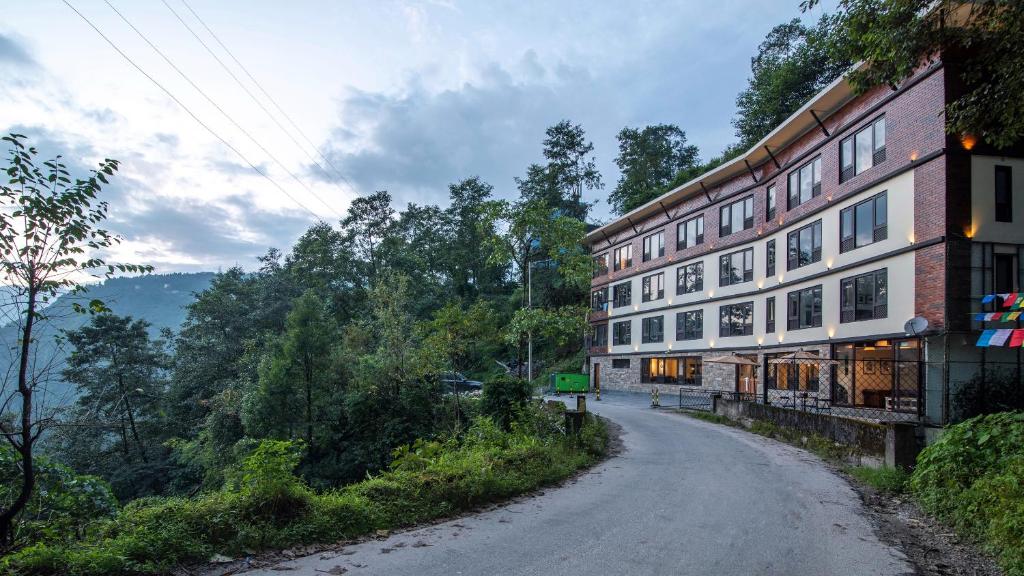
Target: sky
point(385, 95)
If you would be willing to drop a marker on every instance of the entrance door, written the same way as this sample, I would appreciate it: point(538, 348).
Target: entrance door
point(597, 376)
point(746, 379)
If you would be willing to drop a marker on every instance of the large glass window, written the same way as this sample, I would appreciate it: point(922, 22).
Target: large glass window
point(736, 319)
point(652, 330)
point(804, 309)
point(622, 333)
point(691, 371)
point(864, 297)
point(601, 335)
point(736, 216)
point(653, 287)
point(802, 376)
point(864, 223)
point(690, 233)
point(599, 300)
point(623, 257)
point(654, 245)
point(1004, 194)
point(769, 315)
point(658, 370)
point(804, 183)
point(769, 202)
point(769, 266)
point(863, 150)
point(622, 294)
point(804, 246)
point(600, 265)
point(690, 278)
point(736, 267)
point(690, 325)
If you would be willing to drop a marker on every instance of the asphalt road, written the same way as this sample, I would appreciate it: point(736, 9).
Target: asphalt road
point(684, 497)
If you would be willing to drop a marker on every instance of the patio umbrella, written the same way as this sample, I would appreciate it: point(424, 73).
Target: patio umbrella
point(732, 359)
point(801, 356)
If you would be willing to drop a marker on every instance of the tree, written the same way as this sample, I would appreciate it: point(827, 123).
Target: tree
point(470, 272)
point(49, 236)
point(981, 38)
point(570, 171)
point(793, 63)
point(119, 373)
point(649, 160)
point(369, 220)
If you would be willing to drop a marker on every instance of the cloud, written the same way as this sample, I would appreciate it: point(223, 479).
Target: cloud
point(12, 52)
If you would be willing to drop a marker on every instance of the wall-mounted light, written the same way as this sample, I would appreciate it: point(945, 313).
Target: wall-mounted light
point(782, 336)
point(760, 284)
point(780, 278)
point(711, 343)
point(828, 198)
point(911, 238)
point(968, 141)
point(914, 154)
point(760, 340)
point(828, 263)
point(760, 231)
point(711, 293)
point(831, 332)
point(969, 232)
point(780, 220)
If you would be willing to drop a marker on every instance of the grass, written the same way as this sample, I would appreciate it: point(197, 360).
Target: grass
point(266, 507)
point(885, 479)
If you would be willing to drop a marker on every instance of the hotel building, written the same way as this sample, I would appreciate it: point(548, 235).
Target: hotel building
point(854, 216)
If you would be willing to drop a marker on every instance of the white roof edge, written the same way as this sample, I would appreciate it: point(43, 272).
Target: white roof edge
point(735, 161)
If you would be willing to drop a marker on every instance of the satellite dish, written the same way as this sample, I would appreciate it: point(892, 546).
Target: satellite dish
point(915, 326)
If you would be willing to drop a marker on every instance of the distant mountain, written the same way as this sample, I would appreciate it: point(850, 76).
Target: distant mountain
point(160, 299)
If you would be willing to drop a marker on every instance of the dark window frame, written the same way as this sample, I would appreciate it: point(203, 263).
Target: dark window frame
point(683, 325)
point(600, 265)
point(727, 313)
point(769, 315)
point(646, 288)
point(600, 335)
point(620, 288)
point(848, 221)
point(851, 310)
point(599, 300)
point(682, 233)
point(769, 258)
point(682, 276)
point(620, 363)
point(652, 329)
point(794, 255)
point(848, 149)
point(617, 260)
point(769, 203)
point(725, 268)
point(648, 246)
point(725, 227)
point(794, 193)
point(795, 308)
point(622, 333)
point(1004, 194)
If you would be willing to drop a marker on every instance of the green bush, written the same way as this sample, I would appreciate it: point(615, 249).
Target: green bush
point(885, 479)
point(504, 396)
point(973, 477)
point(264, 506)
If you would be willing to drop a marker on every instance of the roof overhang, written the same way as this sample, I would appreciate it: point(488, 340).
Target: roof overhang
point(824, 104)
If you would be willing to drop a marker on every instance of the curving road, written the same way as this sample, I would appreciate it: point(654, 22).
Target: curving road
point(684, 497)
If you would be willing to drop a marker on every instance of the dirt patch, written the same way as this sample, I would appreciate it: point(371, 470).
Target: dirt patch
point(933, 548)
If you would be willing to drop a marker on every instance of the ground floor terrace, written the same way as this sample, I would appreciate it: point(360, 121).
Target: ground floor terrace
point(888, 379)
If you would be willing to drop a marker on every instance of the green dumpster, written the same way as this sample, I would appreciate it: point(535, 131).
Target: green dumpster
point(570, 383)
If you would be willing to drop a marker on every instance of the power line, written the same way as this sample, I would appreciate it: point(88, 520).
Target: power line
point(186, 109)
point(271, 99)
point(243, 86)
point(219, 109)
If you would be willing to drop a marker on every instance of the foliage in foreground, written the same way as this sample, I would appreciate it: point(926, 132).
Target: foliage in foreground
point(885, 479)
point(973, 478)
point(265, 506)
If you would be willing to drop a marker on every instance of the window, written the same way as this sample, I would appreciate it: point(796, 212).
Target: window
point(690, 278)
point(653, 287)
point(736, 267)
point(769, 202)
point(736, 319)
point(690, 371)
point(658, 370)
point(804, 246)
point(863, 150)
point(600, 265)
point(790, 375)
point(620, 363)
point(690, 325)
point(863, 223)
point(652, 330)
point(601, 335)
point(805, 308)
point(736, 216)
point(769, 318)
point(690, 233)
point(623, 257)
point(1004, 273)
point(804, 183)
point(599, 300)
point(622, 333)
point(622, 294)
point(1004, 194)
point(769, 258)
point(654, 246)
point(864, 297)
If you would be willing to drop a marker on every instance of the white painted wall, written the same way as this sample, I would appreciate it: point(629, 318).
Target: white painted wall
point(984, 227)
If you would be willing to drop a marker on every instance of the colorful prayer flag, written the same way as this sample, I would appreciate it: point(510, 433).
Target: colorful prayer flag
point(988, 298)
point(1000, 337)
point(1009, 300)
point(1012, 315)
point(1017, 339)
point(985, 337)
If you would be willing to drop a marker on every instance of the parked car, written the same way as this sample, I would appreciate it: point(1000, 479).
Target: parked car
point(456, 382)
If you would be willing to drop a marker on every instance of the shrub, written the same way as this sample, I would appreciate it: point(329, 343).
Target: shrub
point(504, 396)
point(973, 477)
point(264, 506)
point(885, 479)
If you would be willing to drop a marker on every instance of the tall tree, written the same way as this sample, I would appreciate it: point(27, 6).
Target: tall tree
point(368, 222)
point(120, 376)
point(982, 38)
point(471, 274)
point(793, 63)
point(49, 236)
point(571, 170)
point(649, 159)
